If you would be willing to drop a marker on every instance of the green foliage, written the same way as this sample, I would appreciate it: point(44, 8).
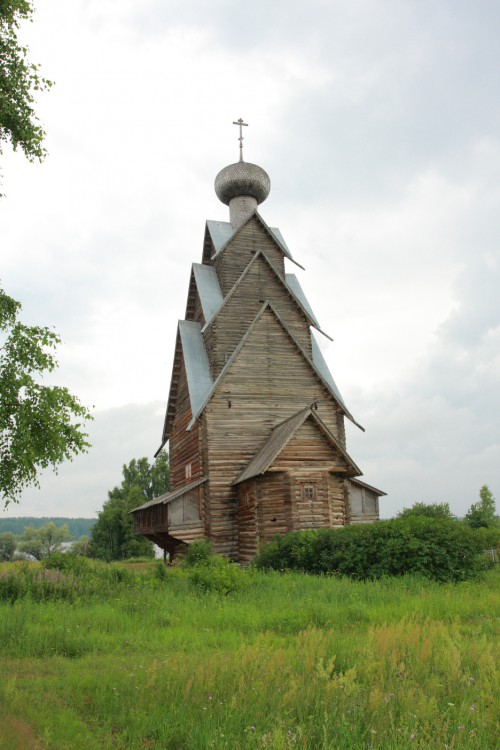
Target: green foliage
point(7, 546)
point(482, 513)
point(160, 570)
point(42, 542)
point(82, 547)
point(77, 526)
point(19, 80)
point(38, 585)
point(209, 572)
point(37, 422)
point(113, 536)
point(431, 510)
point(296, 662)
point(219, 575)
point(437, 548)
point(63, 561)
point(197, 553)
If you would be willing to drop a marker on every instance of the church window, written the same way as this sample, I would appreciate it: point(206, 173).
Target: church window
point(309, 492)
point(188, 470)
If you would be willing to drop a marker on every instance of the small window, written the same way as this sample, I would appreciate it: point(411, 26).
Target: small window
point(247, 499)
point(188, 470)
point(309, 492)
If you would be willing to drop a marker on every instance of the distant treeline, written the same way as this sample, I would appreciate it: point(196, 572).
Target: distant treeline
point(77, 526)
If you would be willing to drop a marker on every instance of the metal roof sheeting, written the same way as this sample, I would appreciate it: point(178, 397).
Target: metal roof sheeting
point(196, 362)
point(220, 233)
point(293, 284)
point(281, 241)
point(208, 287)
point(322, 367)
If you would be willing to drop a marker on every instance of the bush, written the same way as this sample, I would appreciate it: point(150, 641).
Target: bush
point(437, 548)
point(220, 575)
point(198, 553)
point(65, 561)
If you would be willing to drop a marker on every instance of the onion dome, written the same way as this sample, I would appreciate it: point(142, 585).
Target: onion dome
point(242, 179)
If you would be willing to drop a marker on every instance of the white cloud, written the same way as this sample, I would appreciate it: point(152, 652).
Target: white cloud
point(378, 127)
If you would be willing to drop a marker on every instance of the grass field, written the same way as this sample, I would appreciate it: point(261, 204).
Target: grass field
point(119, 657)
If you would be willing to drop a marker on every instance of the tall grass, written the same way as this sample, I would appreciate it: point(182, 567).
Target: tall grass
point(139, 660)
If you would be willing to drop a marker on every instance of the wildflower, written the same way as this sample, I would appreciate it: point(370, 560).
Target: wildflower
point(470, 681)
point(460, 726)
point(412, 737)
point(473, 707)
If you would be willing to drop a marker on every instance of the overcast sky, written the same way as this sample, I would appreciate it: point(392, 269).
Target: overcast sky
point(378, 122)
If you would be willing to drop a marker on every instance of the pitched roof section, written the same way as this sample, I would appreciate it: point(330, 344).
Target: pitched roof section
point(221, 233)
point(196, 363)
point(169, 496)
point(368, 487)
point(237, 350)
point(208, 288)
point(292, 283)
point(295, 298)
point(323, 369)
point(280, 436)
point(189, 346)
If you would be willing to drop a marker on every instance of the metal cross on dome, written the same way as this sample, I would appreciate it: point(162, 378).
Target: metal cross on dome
point(242, 125)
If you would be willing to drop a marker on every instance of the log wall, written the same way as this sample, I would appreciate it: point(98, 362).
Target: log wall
point(233, 260)
point(184, 446)
point(268, 382)
point(258, 285)
point(363, 505)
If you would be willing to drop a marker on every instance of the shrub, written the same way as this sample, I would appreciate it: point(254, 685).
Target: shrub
point(7, 546)
point(198, 553)
point(220, 575)
point(438, 548)
point(160, 571)
point(64, 561)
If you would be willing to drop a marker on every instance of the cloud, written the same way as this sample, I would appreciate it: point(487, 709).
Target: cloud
point(378, 127)
point(80, 487)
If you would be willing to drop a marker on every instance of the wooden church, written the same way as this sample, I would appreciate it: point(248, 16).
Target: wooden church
point(255, 421)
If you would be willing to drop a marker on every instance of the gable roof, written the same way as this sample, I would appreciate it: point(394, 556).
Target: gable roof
point(261, 254)
point(208, 288)
point(324, 370)
point(189, 347)
point(248, 333)
point(221, 233)
point(368, 487)
point(278, 439)
point(198, 374)
point(293, 283)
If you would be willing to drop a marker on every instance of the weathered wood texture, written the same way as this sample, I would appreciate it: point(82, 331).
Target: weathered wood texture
point(362, 505)
point(262, 353)
point(233, 260)
point(258, 285)
point(268, 382)
point(184, 446)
